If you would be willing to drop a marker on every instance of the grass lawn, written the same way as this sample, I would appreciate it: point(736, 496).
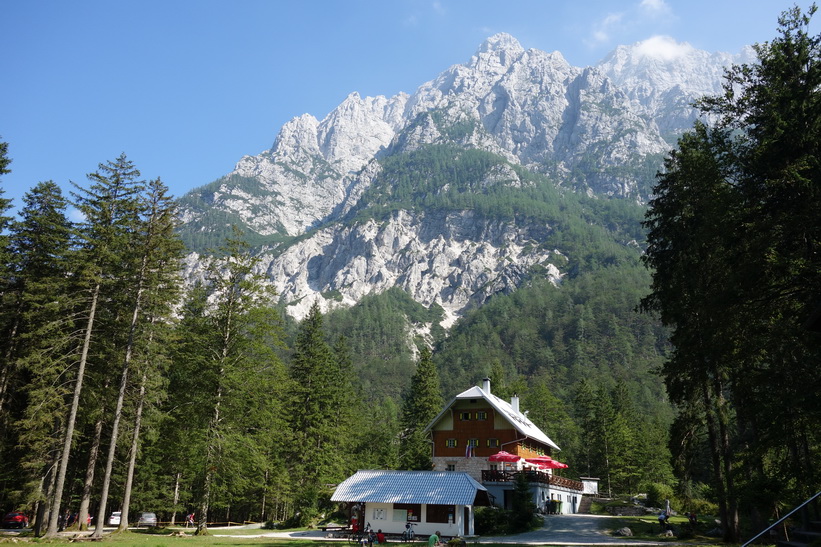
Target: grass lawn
point(163, 538)
point(647, 527)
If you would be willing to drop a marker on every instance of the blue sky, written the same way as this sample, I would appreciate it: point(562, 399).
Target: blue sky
point(187, 87)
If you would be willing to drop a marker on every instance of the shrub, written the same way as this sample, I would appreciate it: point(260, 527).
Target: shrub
point(701, 507)
point(658, 493)
point(491, 521)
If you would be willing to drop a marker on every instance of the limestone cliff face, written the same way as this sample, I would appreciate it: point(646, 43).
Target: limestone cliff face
point(450, 259)
point(600, 130)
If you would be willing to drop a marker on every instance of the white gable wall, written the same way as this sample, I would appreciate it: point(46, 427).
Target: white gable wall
point(381, 516)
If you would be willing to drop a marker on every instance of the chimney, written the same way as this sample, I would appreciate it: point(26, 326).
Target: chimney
point(486, 385)
point(514, 402)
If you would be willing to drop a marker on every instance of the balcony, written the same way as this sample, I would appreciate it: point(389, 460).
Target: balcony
point(532, 476)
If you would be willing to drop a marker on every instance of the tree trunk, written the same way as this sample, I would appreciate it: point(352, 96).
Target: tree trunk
point(176, 498)
point(82, 515)
point(118, 411)
point(210, 465)
point(715, 456)
point(132, 461)
point(213, 433)
point(732, 530)
point(72, 417)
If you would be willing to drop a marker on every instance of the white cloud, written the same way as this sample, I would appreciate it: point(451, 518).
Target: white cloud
point(654, 7)
point(663, 48)
point(623, 26)
point(604, 29)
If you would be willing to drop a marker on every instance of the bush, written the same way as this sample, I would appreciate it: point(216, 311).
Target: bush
point(658, 493)
point(491, 521)
point(701, 507)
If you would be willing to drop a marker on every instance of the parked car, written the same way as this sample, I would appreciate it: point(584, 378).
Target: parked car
point(114, 519)
point(15, 520)
point(147, 519)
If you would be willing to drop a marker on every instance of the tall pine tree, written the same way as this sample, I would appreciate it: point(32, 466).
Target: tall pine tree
point(420, 405)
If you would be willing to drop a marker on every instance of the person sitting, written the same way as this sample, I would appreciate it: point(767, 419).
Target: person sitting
point(380, 537)
point(433, 540)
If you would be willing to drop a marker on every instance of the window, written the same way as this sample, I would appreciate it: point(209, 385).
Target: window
point(481, 415)
point(473, 442)
point(450, 467)
point(450, 443)
point(494, 467)
point(464, 415)
point(441, 513)
point(407, 512)
point(493, 442)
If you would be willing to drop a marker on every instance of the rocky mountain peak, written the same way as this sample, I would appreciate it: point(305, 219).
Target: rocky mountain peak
point(600, 130)
point(496, 54)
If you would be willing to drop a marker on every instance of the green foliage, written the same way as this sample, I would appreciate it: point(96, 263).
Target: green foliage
point(378, 331)
point(658, 494)
point(421, 403)
point(491, 521)
point(320, 410)
point(733, 239)
point(523, 510)
point(521, 518)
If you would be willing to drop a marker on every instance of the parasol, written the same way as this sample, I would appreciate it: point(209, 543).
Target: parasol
point(546, 462)
point(503, 456)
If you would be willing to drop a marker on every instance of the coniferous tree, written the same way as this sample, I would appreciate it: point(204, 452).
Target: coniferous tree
point(228, 382)
point(5, 286)
point(523, 508)
point(156, 259)
point(733, 241)
point(109, 206)
point(420, 405)
point(41, 339)
point(319, 411)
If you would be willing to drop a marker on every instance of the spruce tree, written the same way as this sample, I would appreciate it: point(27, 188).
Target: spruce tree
point(320, 411)
point(227, 383)
point(156, 256)
point(41, 338)
point(734, 234)
point(110, 209)
point(421, 403)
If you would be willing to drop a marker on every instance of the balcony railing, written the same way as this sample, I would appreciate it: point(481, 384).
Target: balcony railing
point(532, 476)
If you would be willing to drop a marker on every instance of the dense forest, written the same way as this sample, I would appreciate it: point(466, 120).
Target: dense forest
point(678, 353)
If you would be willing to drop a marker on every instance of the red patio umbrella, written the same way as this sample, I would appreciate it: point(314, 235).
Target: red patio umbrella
point(553, 465)
point(503, 456)
point(546, 462)
point(538, 460)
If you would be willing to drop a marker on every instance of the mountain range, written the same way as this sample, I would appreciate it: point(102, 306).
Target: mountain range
point(510, 166)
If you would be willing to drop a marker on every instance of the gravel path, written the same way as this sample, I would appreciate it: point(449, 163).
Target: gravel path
point(570, 530)
point(557, 530)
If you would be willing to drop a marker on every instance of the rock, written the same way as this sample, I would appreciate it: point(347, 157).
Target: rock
point(626, 532)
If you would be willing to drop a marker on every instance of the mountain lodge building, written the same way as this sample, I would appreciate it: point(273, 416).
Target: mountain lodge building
point(476, 425)
point(480, 444)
